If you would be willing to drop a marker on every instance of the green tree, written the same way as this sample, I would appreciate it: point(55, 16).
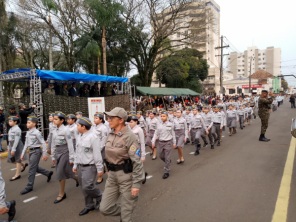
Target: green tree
point(183, 69)
point(284, 84)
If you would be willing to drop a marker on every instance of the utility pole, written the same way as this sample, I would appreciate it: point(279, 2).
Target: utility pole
point(221, 63)
point(251, 60)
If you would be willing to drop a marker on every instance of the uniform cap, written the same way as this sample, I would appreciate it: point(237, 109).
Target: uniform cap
point(100, 115)
point(134, 117)
point(164, 113)
point(84, 121)
point(133, 113)
point(71, 116)
point(32, 119)
point(139, 112)
point(51, 114)
point(78, 113)
point(13, 118)
point(188, 108)
point(119, 112)
point(60, 114)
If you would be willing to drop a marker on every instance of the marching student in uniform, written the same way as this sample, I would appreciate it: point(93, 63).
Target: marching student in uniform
point(232, 118)
point(37, 148)
point(152, 125)
point(188, 115)
point(51, 128)
point(136, 128)
point(181, 133)
point(196, 128)
point(224, 121)
point(101, 130)
point(208, 120)
point(249, 110)
point(142, 122)
point(88, 163)
point(217, 125)
point(165, 135)
point(246, 114)
point(15, 146)
point(241, 115)
point(62, 154)
point(72, 127)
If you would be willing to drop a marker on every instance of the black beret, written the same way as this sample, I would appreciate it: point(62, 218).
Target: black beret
point(60, 114)
point(32, 119)
point(100, 115)
point(71, 116)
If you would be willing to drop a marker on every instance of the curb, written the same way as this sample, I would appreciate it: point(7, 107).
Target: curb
point(4, 154)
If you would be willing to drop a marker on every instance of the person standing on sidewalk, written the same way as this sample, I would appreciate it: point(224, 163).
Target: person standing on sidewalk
point(264, 105)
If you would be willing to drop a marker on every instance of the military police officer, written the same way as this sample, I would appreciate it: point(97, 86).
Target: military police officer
point(125, 168)
point(264, 106)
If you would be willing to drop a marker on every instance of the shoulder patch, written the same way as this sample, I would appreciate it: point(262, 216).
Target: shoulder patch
point(133, 148)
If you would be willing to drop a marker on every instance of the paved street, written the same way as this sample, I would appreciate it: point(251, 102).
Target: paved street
point(237, 182)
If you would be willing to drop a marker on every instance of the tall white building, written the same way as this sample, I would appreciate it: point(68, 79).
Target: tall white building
point(200, 27)
point(253, 59)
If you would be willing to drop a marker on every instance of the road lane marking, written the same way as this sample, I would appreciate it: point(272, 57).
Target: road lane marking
point(148, 153)
point(149, 177)
point(38, 174)
point(13, 169)
point(192, 153)
point(30, 199)
point(281, 208)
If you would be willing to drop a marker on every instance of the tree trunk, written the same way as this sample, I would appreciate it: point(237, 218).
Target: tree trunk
point(50, 46)
point(99, 60)
point(104, 45)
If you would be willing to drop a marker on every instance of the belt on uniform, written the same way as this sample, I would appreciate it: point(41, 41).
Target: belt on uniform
point(217, 123)
point(115, 167)
point(34, 148)
point(86, 165)
point(163, 141)
point(197, 128)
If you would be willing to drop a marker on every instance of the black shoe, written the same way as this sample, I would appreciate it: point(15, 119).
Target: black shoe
point(26, 164)
point(212, 146)
point(192, 143)
point(77, 183)
point(205, 144)
point(144, 181)
point(263, 139)
point(49, 176)
point(11, 212)
point(196, 152)
point(218, 144)
point(165, 176)
point(26, 190)
point(60, 200)
point(15, 178)
point(85, 211)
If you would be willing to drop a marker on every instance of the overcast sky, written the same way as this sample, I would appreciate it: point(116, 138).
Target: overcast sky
point(262, 23)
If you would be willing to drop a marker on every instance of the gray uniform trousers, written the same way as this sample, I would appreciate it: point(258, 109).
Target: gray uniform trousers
point(216, 133)
point(241, 121)
point(193, 134)
point(3, 203)
point(164, 150)
point(198, 134)
point(34, 159)
point(87, 176)
point(118, 184)
point(210, 136)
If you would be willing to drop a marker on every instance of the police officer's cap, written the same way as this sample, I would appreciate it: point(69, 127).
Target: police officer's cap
point(32, 119)
point(100, 115)
point(71, 116)
point(84, 121)
point(13, 118)
point(119, 112)
point(60, 114)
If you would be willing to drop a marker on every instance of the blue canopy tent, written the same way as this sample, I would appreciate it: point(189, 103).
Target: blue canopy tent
point(36, 75)
point(64, 76)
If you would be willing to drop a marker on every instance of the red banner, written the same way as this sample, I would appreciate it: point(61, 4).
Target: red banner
point(252, 86)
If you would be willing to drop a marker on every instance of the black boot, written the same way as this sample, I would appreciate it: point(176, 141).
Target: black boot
point(197, 149)
point(266, 138)
point(262, 138)
point(205, 144)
